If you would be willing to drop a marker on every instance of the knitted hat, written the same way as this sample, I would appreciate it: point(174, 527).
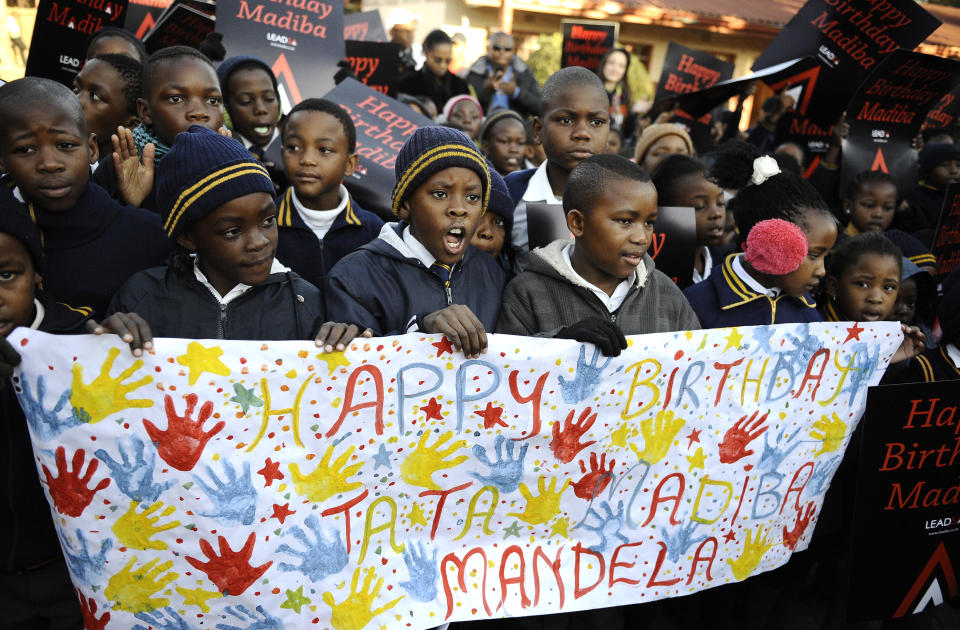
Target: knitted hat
point(500, 202)
point(933, 155)
point(775, 247)
point(229, 66)
point(202, 171)
point(16, 222)
point(495, 118)
point(456, 100)
point(430, 150)
point(912, 248)
point(654, 132)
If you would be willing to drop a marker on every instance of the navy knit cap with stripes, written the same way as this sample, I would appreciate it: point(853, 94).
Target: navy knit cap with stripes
point(202, 171)
point(430, 150)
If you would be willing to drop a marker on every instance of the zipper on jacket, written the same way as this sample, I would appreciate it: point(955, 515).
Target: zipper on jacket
point(221, 323)
point(449, 291)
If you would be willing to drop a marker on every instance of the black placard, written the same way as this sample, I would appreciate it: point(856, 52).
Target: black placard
point(375, 65)
point(180, 25)
point(585, 42)
point(946, 245)
point(142, 15)
point(944, 113)
point(62, 32)
point(365, 26)
point(674, 243)
point(546, 222)
point(687, 70)
point(906, 547)
point(812, 138)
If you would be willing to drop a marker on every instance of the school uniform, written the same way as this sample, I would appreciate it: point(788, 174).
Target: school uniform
point(105, 175)
point(937, 364)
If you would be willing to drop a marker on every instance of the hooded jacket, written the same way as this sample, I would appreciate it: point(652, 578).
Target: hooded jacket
point(527, 102)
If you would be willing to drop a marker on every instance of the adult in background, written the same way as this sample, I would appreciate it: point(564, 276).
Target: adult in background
point(434, 79)
point(403, 25)
point(613, 72)
point(503, 81)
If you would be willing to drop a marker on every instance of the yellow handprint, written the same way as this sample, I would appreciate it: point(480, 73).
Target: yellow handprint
point(105, 395)
point(830, 431)
point(134, 529)
point(658, 434)
point(326, 481)
point(542, 508)
point(418, 468)
point(752, 553)
point(132, 590)
point(354, 613)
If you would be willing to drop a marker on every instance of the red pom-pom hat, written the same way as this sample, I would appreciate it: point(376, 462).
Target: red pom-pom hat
point(775, 247)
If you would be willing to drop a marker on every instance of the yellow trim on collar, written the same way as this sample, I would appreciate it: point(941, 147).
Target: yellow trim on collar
point(925, 368)
point(189, 196)
point(831, 312)
point(431, 156)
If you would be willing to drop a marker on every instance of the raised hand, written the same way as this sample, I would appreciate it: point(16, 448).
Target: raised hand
point(566, 442)
point(134, 475)
point(231, 571)
point(183, 441)
point(135, 529)
point(607, 527)
point(355, 612)
point(418, 468)
point(82, 565)
point(69, 490)
point(792, 536)
point(106, 395)
point(597, 479)
point(587, 378)
point(166, 619)
point(423, 571)
point(133, 590)
point(88, 608)
point(234, 499)
point(753, 550)
point(505, 472)
point(265, 621)
point(327, 480)
point(45, 424)
point(321, 557)
point(658, 435)
point(735, 440)
point(134, 172)
point(831, 431)
point(543, 507)
point(680, 539)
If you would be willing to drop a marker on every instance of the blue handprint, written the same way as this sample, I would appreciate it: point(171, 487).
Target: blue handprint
point(82, 565)
point(822, 472)
point(266, 621)
point(773, 456)
point(423, 573)
point(608, 527)
point(159, 620)
point(233, 499)
point(587, 378)
point(46, 424)
point(321, 558)
point(134, 475)
point(505, 473)
point(680, 539)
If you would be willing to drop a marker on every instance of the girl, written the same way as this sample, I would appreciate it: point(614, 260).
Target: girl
point(502, 139)
point(863, 278)
point(613, 72)
point(869, 202)
point(434, 79)
point(465, 114)
point(660, 140)
point(493, 231)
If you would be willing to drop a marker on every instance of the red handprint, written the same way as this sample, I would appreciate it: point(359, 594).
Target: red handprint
point(739, 435)
point(566, 443)
point(89, 611)
point(183, 441)
point(69, 490)
point(595, 481)
point(231, 571)
point(792, 537)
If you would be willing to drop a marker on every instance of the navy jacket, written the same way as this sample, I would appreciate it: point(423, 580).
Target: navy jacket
point(724, 300)
point(517, 183)
point(176, 304)
point(105, 176)
point(380, 287)
point(931, 366)
point(301, 250)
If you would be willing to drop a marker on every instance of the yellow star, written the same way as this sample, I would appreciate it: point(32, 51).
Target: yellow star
point(619, 437)
point(415, 515)
point(333, 360)
point(696, 460)
point(198, 597)
point(734, 339)
point(559, 528)
point(200, 359)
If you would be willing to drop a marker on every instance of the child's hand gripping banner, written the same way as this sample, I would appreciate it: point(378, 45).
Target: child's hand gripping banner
point(238, 485)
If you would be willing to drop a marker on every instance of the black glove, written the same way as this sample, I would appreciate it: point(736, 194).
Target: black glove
point(9, 359)
point(212, 47)
point(598, 331)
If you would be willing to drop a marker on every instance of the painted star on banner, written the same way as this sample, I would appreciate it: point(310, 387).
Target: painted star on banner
point(432, 410)
point(697, 459)
point(270, 472)
point(333, 360)
point(513, 530)
point(281, 512)
point(444, 345)
point(693, 437)
point(199, 359)
point(734, 340)
point(416, 516)
point(491, 416)
point(295, 600)
point(382, 458)
point(854, 332)
point(245, 398)
point(730, 536)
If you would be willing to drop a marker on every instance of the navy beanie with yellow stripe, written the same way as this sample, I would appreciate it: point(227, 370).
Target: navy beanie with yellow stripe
point(202, 171)
point(430, 150)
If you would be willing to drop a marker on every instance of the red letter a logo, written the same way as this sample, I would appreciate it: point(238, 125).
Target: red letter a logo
point(913, 602)
point(879, 164)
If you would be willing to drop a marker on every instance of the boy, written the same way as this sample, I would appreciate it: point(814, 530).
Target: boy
point(319, 222)
point(603, 285)
point(109, 87)
point(91, 243)
point(421, 274)
point(573, 124)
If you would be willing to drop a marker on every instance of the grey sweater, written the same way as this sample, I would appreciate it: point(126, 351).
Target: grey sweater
point(548, 296)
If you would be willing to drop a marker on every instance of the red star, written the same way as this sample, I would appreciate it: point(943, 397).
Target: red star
point(853, 332)
point(432, 410)
point(730, 537)
point(281, 512)
point(444, 345)
point(491, 416)
point(693, 437)
point(270, 471)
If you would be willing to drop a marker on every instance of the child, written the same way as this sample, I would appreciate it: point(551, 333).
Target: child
point(603, 285)
point(938, 166)
point(319, 222)
point(465, 114)
point(434, 79)
point(92, 244)
point(252, 100)
point(502, 138)
point(916, 300)
point(493, 231)
point(421, 274)
point(660, 140)
point(111, 40)
point(108, 88)
point(869, 202)
point(863, 278)
point(943, 363)
point(533, 155)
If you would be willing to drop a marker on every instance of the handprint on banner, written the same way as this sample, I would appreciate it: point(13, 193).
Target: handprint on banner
point(773, 456)
point(597, 479)
point(133, 590)
point(234, 499)
point(587, 378)
point(680, 539)
point(326, 480)
point(566, 440)
point(607, 527)
point(166, 619)
point(135, 529)
point(831, 431)
point(753, 550)
point(82, 565)
point(320, 557)
point(823, 469)
point(423, 571)
point(505, 472)
point(231, 571)
point(265, 621)
point(105, 395)
point(658, 435)
point(792, 536)
point(88, 609)
point(355, 612)
point(420, 465)
point(45, 424)
point(134, 475)
point(735, 440)
point(181, 444)
point(543, 507)
point(69, 490)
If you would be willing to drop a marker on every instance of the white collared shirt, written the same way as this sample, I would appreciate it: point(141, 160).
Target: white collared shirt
point(247, 144)
point(707, 266)
point(750, 281)
point(38, 318)
point(319, 221)
point(954, 353)
point(539, 189)
point(613, 301)
point(275, 267)
point(417, 249)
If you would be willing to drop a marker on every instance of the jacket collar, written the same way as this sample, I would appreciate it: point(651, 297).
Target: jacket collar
point(548, 260)
point(830, 312)
point(287, 215)
point(390, 243)
point(732, 291)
